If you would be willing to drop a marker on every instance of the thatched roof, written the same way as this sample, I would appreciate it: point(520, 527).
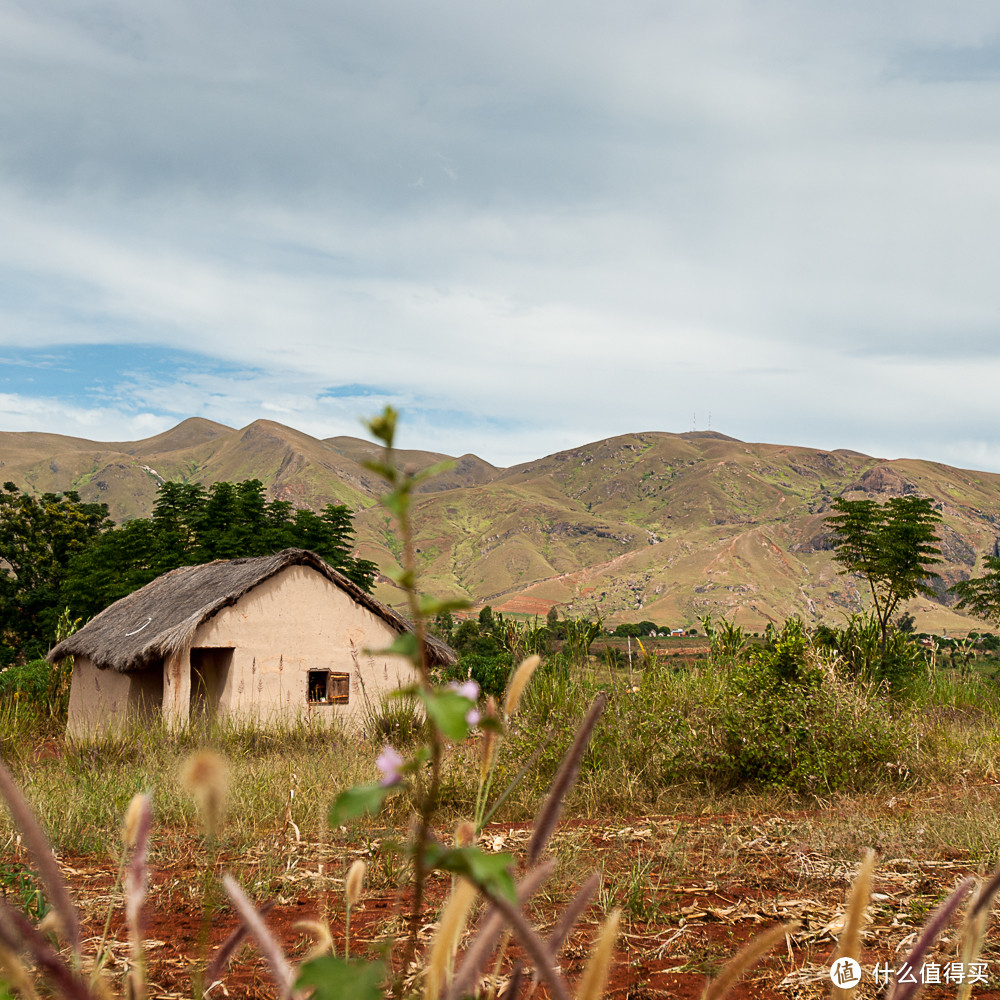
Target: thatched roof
point(161, 618)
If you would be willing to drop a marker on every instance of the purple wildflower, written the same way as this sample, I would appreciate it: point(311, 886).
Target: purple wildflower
point(467, 689)
point(389, 762)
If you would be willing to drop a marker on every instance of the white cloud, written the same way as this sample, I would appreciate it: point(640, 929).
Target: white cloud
point(560, 221)
point(26, 413)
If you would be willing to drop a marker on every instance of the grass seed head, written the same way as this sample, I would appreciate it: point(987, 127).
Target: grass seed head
point(133, 817)
point(465, 834)
point(746, 958)
point(518, 683)
point(354, 882)
point(206, 778)
point(488, 746)
point(322, 938)
point(595, 975)
point(850, 939)
point(51, 924)
point(449, 932)
point(16, 973)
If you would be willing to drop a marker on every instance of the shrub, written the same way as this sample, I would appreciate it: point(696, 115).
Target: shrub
point(859, 647)
point(395, 719)
point(27, 682)
point(490, 672)
point(468, 638)
point(805, 733)
point(37, 686)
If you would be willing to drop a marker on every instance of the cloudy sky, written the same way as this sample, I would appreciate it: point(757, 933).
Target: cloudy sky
point(527, 225)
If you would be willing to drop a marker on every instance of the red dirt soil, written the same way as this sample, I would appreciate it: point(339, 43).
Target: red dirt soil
point(693, 891)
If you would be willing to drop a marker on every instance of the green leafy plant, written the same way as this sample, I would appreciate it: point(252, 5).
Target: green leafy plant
point(19, 888)
point(521, 639)
point(861, 654)
point(580, 636)
point(491, 673)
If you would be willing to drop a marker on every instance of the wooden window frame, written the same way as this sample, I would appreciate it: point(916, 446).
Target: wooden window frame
point(337, 687)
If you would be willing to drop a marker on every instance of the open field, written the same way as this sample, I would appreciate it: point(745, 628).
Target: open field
point(693, 887)
point(699, 857)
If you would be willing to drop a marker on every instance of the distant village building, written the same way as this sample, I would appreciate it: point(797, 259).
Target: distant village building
point(271, 639)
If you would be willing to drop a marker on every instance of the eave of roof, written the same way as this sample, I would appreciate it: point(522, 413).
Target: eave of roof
point(161, 618)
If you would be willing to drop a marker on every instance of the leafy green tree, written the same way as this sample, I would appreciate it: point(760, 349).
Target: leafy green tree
point(116, 563)
point(192, 525)
point(555, 627)
point(57, 552)
point(443, 625)
point(470, 638)
point(981, 595)
point(636, 629)
point(892, 545)
point(38, 538)
point(989, 642)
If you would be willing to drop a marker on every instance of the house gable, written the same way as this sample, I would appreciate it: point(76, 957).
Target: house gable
point(294, 645)
point(291, 624)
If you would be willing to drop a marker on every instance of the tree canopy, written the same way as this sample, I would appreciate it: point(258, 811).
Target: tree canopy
point(39, 536)
point(892, 545)
point(64, 553)
point(981, 595)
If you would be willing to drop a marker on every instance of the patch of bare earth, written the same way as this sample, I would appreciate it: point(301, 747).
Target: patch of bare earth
point(693, 891)
point(522, 604)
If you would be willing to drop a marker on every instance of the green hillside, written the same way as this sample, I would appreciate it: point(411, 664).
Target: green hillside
point(653, 525)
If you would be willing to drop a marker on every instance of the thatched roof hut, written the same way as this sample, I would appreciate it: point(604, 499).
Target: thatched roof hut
point(275, 636)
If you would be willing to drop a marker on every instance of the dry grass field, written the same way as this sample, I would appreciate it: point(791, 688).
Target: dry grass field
point(692, 887)
point(697, 864)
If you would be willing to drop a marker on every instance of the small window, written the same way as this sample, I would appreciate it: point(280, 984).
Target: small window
point(329, 688)
point(318, 682)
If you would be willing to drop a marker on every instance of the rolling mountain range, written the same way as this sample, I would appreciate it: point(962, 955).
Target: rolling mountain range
point(658, 526)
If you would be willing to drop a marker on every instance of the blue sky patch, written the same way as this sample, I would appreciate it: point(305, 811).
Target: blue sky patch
point(100, 374)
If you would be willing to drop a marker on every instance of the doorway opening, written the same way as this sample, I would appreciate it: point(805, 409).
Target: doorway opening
point(209, 676)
